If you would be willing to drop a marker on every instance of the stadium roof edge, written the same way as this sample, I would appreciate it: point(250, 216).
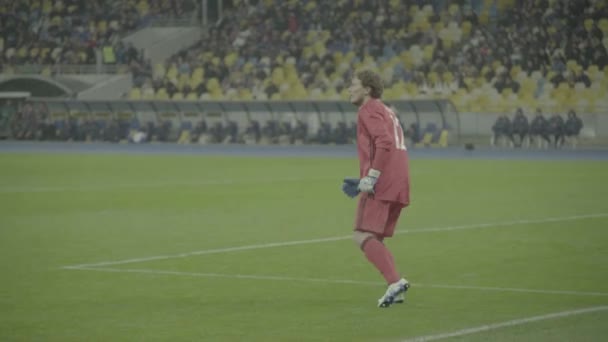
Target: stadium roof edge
point(14, 83)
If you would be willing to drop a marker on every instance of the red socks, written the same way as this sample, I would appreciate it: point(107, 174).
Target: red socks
point(381, 258)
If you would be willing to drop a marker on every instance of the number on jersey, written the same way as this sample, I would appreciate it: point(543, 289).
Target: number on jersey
point(399, 139)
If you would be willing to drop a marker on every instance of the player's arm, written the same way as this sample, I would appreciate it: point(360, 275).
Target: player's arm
point(383, 140)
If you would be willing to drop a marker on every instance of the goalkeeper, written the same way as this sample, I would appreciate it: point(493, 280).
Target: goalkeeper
point(383, 185)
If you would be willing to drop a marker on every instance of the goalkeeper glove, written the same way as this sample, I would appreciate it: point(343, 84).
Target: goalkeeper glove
point(349, 187)
point(368, 182)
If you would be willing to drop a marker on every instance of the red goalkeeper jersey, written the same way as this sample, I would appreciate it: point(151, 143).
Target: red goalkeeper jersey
point(381, 146)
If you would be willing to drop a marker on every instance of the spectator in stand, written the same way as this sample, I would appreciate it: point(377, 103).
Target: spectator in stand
point(573, 127)
point(556, 130)
point(502, 128)
point(520, 127)
point(539, 129)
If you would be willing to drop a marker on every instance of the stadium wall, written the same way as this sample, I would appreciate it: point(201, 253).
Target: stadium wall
point(439, 112)
point(112, 87)
point(160, 43)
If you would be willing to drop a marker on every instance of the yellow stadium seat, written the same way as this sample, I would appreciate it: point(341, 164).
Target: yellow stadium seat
point(432, 77)
point(102, 26)
point(216, 94)
point(172, 72)
point(44, 52)
point(143, 8)
point(22, 52)
point(135, 94)
point(428, 53)
point(453, 9)
point(184, 137)
point(147, 94)
point(484, 18)
point(212, 84)
point(496, 64)
point(563, 87)
point(245, 94)
point(395, 4)
point(438, 27)
point(310, 6)
point(603, 25)
point(443, 139)
point(427, 138)
point(47, 6)
point(424, 25)
point(330, 94)
point(592, 71)
point(428, 9)
point(588, 24)
point(46, 71)
point(230, 59)
point(183, 80)
point(198, 73)
point(466, 28)
point(247, 68)
point(504, 4)
point(448, 43)
point(159, 71)
point(161, 94)
point(515, 70)
point(34, 52)
point(195, 83)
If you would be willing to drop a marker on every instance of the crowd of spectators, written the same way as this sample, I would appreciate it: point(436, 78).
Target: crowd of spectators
point(56, 33)
point(513, 50)
point(308, 49)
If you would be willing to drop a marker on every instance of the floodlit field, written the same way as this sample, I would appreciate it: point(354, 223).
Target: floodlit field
point(197, 248)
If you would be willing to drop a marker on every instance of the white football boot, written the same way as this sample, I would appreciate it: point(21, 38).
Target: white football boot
point(394, 294)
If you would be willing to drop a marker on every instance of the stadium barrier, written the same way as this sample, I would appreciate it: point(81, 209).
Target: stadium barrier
point(435, 119)
point(59, 69)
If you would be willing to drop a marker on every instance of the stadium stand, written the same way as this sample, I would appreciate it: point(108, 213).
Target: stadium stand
point(53, 33)
point(512, 54)
point(483, 55)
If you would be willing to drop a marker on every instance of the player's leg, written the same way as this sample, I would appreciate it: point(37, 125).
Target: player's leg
point(370, 229)
point(395, 290)
point(377, 254)
point(370, 223)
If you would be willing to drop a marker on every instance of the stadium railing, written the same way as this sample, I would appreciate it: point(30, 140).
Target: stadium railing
point(69, 69)
point(437, 114)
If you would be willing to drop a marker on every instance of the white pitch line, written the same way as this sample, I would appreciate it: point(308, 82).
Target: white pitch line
point(89, 187)
point(515, 289)
point(333, 281)
point(515, 322)
point(337, 238)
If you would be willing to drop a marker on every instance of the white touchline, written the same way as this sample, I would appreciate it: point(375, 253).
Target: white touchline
point(332, 281)
point(514, 289)
point(337, 238)
point(482, 328)
point(88, 187)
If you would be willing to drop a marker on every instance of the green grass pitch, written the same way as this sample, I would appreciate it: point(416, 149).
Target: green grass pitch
point(232, 249)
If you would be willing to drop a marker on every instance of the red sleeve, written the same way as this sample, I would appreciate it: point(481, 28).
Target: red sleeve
point(376, 126)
